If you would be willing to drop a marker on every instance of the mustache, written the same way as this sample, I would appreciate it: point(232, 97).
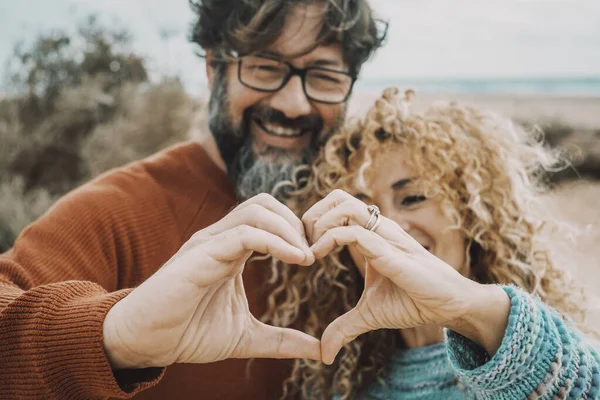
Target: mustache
point(312, 122)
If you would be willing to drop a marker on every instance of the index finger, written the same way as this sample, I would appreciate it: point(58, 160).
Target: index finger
point(271, 203)
point(330, 201)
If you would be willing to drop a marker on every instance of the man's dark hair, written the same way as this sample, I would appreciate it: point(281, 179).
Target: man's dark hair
point(249, 26)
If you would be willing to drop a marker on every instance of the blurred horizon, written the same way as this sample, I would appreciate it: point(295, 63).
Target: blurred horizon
point(466, 46)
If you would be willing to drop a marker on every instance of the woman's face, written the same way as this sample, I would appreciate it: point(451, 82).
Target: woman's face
point(398, 198)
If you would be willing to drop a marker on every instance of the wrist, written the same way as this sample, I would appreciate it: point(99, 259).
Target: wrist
point(117, 351)
point(486, 317)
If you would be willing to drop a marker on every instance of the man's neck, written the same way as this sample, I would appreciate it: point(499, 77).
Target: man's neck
point(210, 146)
point(201, 134)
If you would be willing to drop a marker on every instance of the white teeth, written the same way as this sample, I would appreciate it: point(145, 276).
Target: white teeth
point(281, 131)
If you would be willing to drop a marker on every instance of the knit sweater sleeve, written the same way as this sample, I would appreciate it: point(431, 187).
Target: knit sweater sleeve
point(62, 276)
point(541, 357)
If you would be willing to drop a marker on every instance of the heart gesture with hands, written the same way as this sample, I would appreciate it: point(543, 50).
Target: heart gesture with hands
point(194, 309)
point(405, 285)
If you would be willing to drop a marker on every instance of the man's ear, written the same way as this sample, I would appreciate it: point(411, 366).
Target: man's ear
point(210, 68)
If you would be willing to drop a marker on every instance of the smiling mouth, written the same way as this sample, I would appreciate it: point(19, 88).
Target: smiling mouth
point(280, 131)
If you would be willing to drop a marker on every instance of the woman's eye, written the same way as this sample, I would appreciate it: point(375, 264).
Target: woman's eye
point(361, 196)
point(412, 200)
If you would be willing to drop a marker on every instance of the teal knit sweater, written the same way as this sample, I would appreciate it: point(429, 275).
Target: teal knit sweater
point(540, 357)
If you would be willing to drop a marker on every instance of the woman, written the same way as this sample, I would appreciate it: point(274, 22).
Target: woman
point(460, 244)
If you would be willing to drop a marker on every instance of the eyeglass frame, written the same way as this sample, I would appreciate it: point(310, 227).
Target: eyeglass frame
point(301, 72)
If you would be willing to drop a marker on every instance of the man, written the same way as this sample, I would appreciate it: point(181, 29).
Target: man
point(71, 326)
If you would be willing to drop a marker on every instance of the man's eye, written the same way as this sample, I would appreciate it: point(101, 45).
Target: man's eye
point(326, 78)
point(412, 200)
point(268, 68)
point(264, 68)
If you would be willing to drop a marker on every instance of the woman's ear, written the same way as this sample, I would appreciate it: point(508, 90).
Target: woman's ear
point(210, 68)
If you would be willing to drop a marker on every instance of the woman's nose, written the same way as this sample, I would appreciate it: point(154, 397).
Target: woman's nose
point(396, 215)
point(405, 225)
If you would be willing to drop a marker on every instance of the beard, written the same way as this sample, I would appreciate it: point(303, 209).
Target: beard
point(253, 171)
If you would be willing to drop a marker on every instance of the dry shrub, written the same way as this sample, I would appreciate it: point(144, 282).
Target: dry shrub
point(146, 121)
point(38, 167)
point(10, 133)
point(76, 106)
point(581, 146)
point(18, 208)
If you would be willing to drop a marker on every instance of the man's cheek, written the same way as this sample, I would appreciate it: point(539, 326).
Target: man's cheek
point(332, 121)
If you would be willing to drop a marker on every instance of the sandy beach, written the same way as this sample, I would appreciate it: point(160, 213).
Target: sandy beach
point(580, 112)
point(577, 203)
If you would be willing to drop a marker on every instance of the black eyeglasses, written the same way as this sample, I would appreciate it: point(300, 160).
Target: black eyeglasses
point(320, 84)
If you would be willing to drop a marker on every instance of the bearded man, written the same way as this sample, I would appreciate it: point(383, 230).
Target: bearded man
point(132, 284)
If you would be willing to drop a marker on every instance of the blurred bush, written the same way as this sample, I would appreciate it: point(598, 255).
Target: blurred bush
point(581, 146)
point(77, 105)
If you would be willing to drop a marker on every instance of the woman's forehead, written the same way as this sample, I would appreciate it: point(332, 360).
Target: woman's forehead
point(382, 166)
point(385, 153)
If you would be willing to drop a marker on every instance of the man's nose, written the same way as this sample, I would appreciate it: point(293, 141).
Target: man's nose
point(291, 99)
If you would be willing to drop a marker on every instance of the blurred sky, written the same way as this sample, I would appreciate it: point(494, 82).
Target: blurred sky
point(427, 38)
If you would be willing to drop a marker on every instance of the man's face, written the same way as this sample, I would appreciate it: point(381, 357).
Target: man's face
point(264, 136)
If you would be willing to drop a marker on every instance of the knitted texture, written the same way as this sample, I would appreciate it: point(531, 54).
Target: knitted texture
point(540, 357)
point(71, 266)
point(419, 373)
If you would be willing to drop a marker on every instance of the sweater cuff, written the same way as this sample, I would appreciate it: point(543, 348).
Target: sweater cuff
point(57, 344)
point(526, 344)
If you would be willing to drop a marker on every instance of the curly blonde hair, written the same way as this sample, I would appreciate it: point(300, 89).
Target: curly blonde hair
point(486, 172)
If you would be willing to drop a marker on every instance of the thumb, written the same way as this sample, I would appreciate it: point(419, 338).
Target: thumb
point(266, 341)
point(341, 331)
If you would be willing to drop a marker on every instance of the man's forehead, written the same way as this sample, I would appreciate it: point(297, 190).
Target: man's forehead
point(299, 36)
point(324, 56)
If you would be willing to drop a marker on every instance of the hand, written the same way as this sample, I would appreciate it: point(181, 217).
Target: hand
point(405, 285)
point(194, 309)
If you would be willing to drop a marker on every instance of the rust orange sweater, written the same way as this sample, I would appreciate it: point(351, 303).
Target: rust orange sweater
point(67, 269)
